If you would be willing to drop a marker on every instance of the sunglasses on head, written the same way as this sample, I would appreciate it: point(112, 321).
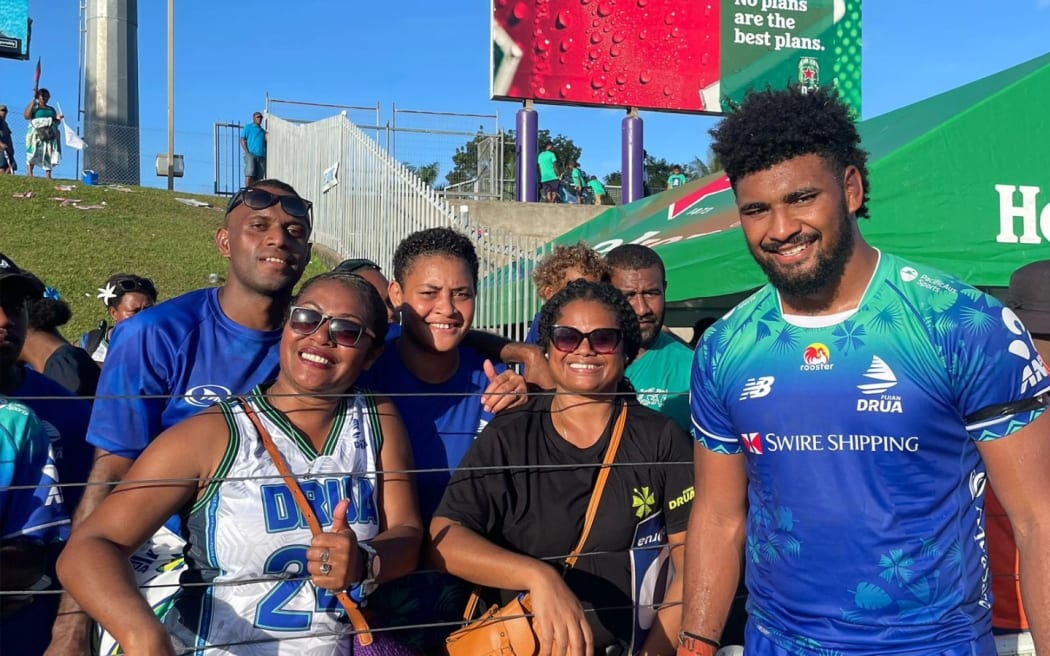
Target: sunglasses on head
point(260, 199)
point(145, 285)
point(344, 332)
point(602, 340)
point(356, 264)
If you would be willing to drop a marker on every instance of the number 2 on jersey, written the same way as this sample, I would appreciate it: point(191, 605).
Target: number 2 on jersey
point(271, 614)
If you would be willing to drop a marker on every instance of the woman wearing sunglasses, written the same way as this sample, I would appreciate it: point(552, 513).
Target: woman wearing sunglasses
point(516, 506)
point(124, 295)
point(257, 581)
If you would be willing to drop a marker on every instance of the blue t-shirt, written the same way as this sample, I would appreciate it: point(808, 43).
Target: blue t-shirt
point(170, 363)
point(255, 138)
point(36, 513)
point(866, 489)
point(65, 420)
point(442, 419)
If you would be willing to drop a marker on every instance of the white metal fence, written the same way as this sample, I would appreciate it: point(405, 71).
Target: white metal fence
point(365, 202)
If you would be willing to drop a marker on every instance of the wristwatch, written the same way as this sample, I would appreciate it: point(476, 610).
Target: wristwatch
point(373, 563)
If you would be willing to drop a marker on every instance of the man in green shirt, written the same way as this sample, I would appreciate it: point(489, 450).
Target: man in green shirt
point(660, 373)
point(676, 179)
point(549, 175)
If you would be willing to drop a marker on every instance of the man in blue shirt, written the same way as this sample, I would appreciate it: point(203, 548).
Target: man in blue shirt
point(849, 417)
point(202, 346)
point(253, 141)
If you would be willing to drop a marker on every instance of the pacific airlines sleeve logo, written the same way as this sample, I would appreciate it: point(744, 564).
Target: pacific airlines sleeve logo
point(753, 443)
point(817, 357)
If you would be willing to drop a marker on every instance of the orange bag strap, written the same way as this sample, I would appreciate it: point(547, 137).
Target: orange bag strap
point(592, 506)
point(357, 619)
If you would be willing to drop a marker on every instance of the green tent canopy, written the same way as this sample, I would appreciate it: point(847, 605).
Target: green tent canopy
point(960, 181)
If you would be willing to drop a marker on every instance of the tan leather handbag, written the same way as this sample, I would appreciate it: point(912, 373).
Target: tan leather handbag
point(507, 630)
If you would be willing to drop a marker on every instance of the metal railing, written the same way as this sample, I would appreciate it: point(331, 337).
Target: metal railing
point(365, 202)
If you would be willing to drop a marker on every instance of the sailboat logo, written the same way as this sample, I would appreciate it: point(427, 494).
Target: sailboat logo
point(878, 371)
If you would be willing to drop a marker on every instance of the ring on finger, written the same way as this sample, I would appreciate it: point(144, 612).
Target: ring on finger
point(325, 556)
point(326, 569)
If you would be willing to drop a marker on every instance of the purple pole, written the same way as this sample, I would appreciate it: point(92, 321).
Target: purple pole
point(631, 159)
point(527, 185)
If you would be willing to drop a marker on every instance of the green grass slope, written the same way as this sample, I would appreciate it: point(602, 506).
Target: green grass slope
point(142, 231)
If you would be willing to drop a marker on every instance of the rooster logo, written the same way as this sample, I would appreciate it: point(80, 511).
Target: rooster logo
point(817, 353)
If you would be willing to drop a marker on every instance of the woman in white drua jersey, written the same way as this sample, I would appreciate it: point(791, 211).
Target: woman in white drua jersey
point(257, 581)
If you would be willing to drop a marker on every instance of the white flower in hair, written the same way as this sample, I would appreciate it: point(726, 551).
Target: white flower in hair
point(107, 293)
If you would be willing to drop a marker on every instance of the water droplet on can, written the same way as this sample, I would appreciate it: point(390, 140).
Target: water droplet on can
point(564, 19)
point(520, 11)
point(645, 77)
point(604, 9)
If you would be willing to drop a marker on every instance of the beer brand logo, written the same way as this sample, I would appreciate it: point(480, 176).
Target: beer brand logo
point(808, 73)
point(908, 274)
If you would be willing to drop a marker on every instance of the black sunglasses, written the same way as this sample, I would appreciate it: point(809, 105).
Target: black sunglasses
point(144, 285)
point(342, 331)
point(356, 264)
point(602, 340)
point(260, 199)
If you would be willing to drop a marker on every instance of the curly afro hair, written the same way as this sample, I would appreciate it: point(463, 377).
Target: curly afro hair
point(604, 293)
point(434, 241)
point(47, 314)
point(550, 272)
point(775, 125)
point(374, 304)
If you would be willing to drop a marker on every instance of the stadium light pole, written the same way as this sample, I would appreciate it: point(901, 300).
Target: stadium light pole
point(171, 95)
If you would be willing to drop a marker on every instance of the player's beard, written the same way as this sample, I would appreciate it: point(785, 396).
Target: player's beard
point(827, 271)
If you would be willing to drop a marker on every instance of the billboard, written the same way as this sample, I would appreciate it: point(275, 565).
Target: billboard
point(672, 55)
point(14, 29)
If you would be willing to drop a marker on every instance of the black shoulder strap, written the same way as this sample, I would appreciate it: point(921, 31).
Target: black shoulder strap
point(95, 338)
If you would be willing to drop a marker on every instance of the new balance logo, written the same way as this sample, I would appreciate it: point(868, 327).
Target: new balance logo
point(752, 443)
point(756, 388)
point(881, 372)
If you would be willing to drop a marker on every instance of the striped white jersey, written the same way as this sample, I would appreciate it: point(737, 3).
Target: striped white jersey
point(246, 590)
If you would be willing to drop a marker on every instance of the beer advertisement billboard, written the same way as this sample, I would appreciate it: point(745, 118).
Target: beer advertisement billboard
point(14, 29)
point(672, 55)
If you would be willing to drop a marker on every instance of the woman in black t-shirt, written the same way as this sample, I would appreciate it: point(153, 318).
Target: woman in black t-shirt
point(515, 507)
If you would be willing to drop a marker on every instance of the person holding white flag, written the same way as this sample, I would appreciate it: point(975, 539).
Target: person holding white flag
point(43, 146)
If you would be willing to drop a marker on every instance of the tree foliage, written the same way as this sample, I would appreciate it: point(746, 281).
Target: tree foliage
point(427, 172)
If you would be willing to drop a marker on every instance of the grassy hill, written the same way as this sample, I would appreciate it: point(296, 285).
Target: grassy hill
point(142, 231)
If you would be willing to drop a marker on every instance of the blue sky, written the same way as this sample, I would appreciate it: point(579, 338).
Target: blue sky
point(434, 55)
